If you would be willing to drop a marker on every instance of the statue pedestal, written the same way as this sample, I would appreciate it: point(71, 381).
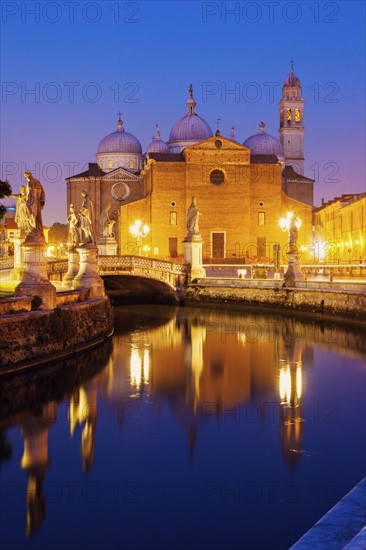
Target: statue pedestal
point(18, 269)
point(293, 272)
point(35, 278)
point(107, 246)
point(193, 256)
point(73, 266)
point(88, 276)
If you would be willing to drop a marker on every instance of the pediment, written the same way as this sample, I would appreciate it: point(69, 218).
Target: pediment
point(210, 145)
point(121, 174)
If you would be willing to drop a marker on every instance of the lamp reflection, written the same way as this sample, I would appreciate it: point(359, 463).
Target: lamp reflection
point(139, 367)
point(291, 420)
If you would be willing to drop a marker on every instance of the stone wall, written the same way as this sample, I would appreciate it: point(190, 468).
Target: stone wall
point(342, 303)
point(36, 334)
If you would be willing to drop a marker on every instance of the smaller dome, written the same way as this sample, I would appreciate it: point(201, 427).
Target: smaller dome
point(119, 141)
point(291, 79)
point(157, 145)
point(264, 144)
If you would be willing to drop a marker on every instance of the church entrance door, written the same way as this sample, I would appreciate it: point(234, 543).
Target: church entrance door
point(218, 246)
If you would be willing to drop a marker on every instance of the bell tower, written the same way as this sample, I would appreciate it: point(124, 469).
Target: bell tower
point(292, 122)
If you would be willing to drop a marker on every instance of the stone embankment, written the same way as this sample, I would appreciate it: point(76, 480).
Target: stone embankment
point(30, 335)
point(314, 298)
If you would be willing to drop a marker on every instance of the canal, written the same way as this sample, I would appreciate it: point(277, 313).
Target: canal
point(189, 429)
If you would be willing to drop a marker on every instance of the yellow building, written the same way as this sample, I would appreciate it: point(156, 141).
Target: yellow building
point(241, 189)
point(340, 229)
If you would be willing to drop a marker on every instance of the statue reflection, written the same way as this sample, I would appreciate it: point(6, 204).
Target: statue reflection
point(34, 429)
point(83, 411)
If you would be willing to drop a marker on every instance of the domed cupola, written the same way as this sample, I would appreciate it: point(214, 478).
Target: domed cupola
point(119, 149)
point(157, 145)
point(189, 129)
point(291, 88)
point(265, 144)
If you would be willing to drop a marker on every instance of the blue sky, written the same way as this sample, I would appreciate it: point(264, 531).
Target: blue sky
point(85, 61)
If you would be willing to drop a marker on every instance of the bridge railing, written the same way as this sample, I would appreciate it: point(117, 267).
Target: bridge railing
point(112, 263)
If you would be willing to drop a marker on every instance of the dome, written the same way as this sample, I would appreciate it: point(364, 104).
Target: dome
point(119, 141)
point(291, 79)
point(264, 144)
point(190, 127)
point(157, 145)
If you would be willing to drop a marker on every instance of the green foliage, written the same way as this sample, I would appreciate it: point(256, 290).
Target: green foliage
point(5, 191)
point(58, 233)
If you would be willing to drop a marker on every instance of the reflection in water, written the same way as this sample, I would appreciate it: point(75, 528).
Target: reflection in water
point(209, 367)
point(35, 428)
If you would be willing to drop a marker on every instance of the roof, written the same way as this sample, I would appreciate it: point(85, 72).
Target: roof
point(263, 159)
point(289, 174)
point(93, 170)
point(166, 157)
point(345, 199)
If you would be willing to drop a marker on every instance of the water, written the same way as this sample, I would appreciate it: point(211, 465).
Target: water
point(191, 429)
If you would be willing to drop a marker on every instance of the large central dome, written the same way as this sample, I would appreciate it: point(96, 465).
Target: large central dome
point(119, 141)
point(189, 129)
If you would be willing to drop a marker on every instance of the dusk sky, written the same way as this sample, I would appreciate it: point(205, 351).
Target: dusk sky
point(68, 68)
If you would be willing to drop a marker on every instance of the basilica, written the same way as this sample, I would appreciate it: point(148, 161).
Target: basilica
point(241, 189)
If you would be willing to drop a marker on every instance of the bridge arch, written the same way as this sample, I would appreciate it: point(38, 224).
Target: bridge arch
point(137, 289)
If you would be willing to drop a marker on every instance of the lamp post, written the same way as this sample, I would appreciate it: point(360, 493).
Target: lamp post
point(139, 232)
point(291, 223)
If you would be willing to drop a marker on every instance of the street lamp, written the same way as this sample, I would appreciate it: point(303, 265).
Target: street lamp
point(139, 231)
point(292, 223)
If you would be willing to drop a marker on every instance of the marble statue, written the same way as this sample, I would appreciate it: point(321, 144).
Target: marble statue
point(106, 224)
point(74, 226)
point(192, 221)
point(86, 214)
point(30, 202)
point(22, 216)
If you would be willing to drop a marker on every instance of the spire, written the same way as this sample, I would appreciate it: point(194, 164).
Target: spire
point(232, 134)
point(191, 103)
point(120, 123)
point(292, 67)
point(262, 128)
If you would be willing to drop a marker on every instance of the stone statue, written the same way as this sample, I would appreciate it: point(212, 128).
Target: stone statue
point(74, 226)
point(192, 221)
point(86, 214)
point(106, 224)
point(22, 216)
point(36, 199)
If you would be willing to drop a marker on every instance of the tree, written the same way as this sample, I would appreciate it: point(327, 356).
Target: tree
point(58, 233)
point(5, 191)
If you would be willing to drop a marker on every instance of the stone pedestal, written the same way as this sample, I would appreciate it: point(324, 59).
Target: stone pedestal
point(293, 272)
point(193, 256)
point(18, 269)
point(88, 276)
point(107, 246)
point(35, 277)
point(73, 266)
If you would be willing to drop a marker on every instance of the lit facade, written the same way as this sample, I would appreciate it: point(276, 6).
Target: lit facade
point(241, 189)
point(340, 227)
